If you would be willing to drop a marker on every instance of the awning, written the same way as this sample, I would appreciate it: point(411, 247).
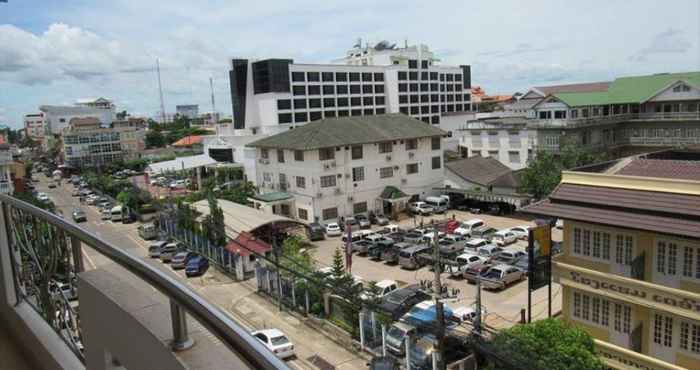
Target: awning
point(518, 200)
point(392, 193)
point(246, 244)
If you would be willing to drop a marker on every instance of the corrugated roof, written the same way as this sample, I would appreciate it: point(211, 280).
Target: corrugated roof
point(342, 131)
point(188, 141)
point(181, 163)
point(663, 168)
point(634, 89)
point(239, 218)
point(273, 196)
point(580, 88)
point(480, 170)
point(64, 110)
point(662, 212)
point(246, 244)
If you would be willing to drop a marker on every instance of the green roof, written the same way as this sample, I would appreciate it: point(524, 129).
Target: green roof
point(342, 131)
point(636, 89)
point(391, 192)
point(272, 197)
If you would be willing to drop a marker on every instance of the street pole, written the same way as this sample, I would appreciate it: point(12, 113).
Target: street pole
point(439, 311)
point(477, 320)
point(273, 240)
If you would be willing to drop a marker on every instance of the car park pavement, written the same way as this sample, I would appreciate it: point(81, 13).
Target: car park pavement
point(502, 307)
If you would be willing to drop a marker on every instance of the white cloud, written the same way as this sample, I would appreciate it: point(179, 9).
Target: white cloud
point(671, 41)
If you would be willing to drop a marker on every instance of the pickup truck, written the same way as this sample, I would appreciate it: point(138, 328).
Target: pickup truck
point(464, 262)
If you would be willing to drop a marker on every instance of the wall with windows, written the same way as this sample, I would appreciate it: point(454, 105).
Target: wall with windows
point(511, 147)
point(351, 178)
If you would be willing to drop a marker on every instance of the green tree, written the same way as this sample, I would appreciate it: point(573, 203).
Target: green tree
point(213, 224)
point(543, 173)
point(550, 344)
point(154, 139)
point(296, 256)
point(121, 115)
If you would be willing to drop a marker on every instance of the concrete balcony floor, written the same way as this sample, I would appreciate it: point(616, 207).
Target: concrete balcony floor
point(11, 355)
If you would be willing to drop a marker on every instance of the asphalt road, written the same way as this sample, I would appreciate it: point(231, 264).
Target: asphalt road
point(237, 298)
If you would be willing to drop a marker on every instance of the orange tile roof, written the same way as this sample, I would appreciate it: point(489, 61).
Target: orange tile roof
point(188, 141)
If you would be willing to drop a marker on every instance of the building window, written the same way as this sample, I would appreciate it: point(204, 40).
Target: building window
point(595, 310)
point(299, 155)
point(378, 76)
point(300, 117)
point(435, 143)
point(606, 246)
point(367, 76)
point(411, 168)
point(577, 304)
point(596, 244)
point(314, 90)
point(267, 177)
point(342, 89)
point(412, 63)
point(605, 313)
point(359, 207)
point(385, 147)
point(586, 307)
point(341, 76)
point(354, 77)
point(325, 154)
point(280, 155)
point(403, 75)
point(356, 152)
point(379, 89)
point(379, 100)
point(411, 144)
point(298, 76)
point(514, 157)
point(328, 102)
point(303, 214)
point(328, 90)
point(314, 103)
point(355, 89)
point(687, 261)
point(284, 104)
point(327, 181)
point(358, 174)
point(386, 172)
point(367, 101)
point(695, 343)
point(672, 256)
point(586, 250)
point(284, 118)
point(312, 76)
point(264, 153)
point(658, 324)
point(299, 103)
point(436, 163)
point(329, 213)
point(301, 182)
point(299, 90)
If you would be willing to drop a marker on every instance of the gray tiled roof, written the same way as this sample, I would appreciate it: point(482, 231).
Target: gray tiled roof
point(64, 110)
point(484, 171)
point(342, 131)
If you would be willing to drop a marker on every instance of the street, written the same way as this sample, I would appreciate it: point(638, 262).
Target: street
point(239, 299)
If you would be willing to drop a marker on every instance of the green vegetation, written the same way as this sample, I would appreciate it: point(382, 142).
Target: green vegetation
point(123, 191)
point(31, 199)
point(543, 173)
point(213, 224)
point(154, 139)
point(550, 344)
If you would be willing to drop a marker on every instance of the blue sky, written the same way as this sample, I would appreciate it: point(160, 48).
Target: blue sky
point(54, 52)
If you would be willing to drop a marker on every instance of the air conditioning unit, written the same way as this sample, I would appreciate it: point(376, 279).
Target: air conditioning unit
point(403, 181)
point(347, 175)
point(411, 154)
point(350, 198)
point(388, 158)
point(338, 191)
point(396, 168)
point(326, 166)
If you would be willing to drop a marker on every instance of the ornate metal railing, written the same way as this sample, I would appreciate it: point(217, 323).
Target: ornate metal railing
point(46, 254)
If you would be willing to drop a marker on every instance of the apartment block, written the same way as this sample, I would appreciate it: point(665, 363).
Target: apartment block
point(34, 126)
point(87, 143)
point(630, 271)
point(338, 167)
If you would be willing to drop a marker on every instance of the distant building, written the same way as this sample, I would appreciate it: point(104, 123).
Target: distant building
point(34, 126)
point(100, 103)
point(56, 117)
point(190, 111)
point(630, 266)
point(86, 143)
point(6, 183)
point(339, 167)
point(189, 143)
point(661, 110)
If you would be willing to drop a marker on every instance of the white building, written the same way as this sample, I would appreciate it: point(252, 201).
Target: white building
point(34, 126)
point(339, 167)
point(6, 184)
point(86, 143)
point(190, 111)
point(273, 95)
point(101, 103)
point(57, 117)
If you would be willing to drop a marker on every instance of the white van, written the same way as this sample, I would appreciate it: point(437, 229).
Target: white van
point(439, 204)
point(117, 213)
point(466, 227)
point(148, 231)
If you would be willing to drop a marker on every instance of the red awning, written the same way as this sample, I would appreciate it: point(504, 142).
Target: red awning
point(246, 244)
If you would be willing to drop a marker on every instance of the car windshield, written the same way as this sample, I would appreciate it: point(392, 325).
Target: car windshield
point(277, 341)
point(492, 274)
point(395, 332)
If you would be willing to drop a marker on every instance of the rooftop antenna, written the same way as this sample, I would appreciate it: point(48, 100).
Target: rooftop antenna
point(160, 91)
point(405, 43)
point(213, 103)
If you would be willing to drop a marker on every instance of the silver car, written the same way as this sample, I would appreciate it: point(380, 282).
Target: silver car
point(500, 276)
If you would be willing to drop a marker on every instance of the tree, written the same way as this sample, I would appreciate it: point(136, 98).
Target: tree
point(214, 226)
point(121, 115)
point(296, 256)
point(543, 173)
point(154, 139)
point(550, 344)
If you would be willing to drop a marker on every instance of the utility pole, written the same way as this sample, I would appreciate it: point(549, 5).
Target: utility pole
point(439, 309)
point(213, 103)
point(160, 91)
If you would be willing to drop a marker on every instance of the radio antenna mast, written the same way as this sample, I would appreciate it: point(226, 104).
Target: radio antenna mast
point(160, 91)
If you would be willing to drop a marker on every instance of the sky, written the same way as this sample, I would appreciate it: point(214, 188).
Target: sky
point(55, 52)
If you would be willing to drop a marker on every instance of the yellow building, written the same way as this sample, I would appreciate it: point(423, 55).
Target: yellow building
point(630, 266)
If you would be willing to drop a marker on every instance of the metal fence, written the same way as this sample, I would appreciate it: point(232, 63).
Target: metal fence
point(294, 293)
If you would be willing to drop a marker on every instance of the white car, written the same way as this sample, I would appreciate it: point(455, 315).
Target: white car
point(521, 232)
point(504, 237)
point(465, 261)
point(464, 314)
point(421, 208)
point(43, 197)
point(466, 227)
point(333, 229)
point(475, 243)
point(276, 342)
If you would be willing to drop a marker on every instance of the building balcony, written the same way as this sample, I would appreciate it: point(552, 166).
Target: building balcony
point(5, 186)
point(611, 119)
point(124, 313)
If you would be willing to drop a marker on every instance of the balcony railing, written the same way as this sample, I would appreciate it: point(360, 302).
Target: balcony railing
point(613, 118)
point(46, 256)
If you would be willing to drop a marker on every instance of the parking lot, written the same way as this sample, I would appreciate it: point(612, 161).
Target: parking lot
point(502, 307)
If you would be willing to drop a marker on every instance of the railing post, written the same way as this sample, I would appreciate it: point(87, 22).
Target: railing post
point(178, 316)
point(77, 250)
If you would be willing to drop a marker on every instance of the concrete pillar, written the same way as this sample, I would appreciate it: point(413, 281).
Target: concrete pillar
point(383, 340)
point(294, 295)
point(362, 331)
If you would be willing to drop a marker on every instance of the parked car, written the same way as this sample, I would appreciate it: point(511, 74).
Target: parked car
point(397, 237)
point(155, 247)
point(79, 215)
point(384, 287)
point(500, 276)
point(391, 255)
point(148, 231)
point(361, 246)
point(509, 257)
point(448, 247)
point(333, 229)
point(463, 262)
point(475, 270)
point(420, 208)
point(378, 247)
point(363, 221)
point(384, 363)
point(465, 229)
point(75, 193)
point(106, 214)
point(316, 231)
point(42, 197)
point(168, 251)
point(521, 232)
point(349, 221)
point(52, 185)
point(181, 259)
point(413, 237)
point(196, 266)
point(474, 244)
point(504, 237)
point(490, 251)
point(523, 263)
point(484, 232)
point(409, 258)
point(401, 300)
point(396, 336)
point(275, 341)
point(382, 220)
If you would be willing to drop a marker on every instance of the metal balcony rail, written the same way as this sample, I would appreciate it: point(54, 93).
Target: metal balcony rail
point(46, 254)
